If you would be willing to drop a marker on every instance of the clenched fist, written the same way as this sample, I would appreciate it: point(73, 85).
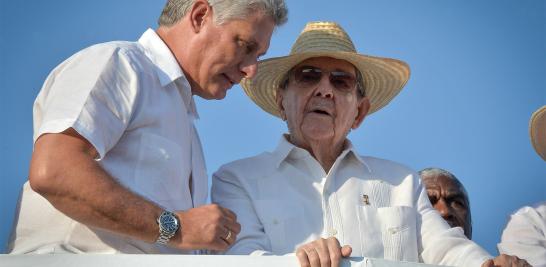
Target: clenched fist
point(207, 227)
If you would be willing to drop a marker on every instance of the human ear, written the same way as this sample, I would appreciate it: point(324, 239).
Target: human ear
point(198, 14)
point(280, 107)
point(362, 110)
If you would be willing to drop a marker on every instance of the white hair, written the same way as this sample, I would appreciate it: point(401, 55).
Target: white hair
point(225, 10)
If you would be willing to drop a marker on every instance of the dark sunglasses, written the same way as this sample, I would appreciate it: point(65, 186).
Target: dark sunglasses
point(307, 76)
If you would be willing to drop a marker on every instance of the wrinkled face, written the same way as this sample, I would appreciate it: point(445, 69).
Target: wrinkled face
point(325, 109)
point(227, 53)
point(449, 198)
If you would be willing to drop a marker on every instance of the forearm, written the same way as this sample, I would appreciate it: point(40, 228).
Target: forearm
point(74, 183)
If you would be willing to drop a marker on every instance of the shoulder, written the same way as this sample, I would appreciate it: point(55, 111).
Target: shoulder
point(390, 171)
point(537, 210)
point(248, 168)
point(120, 48)
point(130, 55)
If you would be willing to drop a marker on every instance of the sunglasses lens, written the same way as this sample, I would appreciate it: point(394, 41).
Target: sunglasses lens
point(342, 80)
point(308, 76)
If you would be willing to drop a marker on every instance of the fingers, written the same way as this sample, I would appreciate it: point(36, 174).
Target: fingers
point(302, 257)
point(335, 251)
point(233, 226)
point(229, 237)
point(207, 227)
point(228, 214)
point(346, 251)
point(488, 263)
point(506, 260)
point(322, 252)
point(230, 220)
point(520, 262)
point(308, 255)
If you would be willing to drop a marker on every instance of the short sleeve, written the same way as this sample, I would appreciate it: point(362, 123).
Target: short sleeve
point(93, 92)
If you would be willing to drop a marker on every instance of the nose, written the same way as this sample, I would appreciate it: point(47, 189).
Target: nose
point(324, 88)
point(442, 207)
point(249, 69)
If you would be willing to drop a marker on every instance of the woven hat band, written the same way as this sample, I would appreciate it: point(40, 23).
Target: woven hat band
point(323, 37)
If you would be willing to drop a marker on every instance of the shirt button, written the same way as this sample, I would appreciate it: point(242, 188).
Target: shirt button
point(275, 221)
point(333, 232)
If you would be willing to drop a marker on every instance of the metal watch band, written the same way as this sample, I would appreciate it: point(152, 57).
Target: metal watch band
point(163, 239)
point(168, 224)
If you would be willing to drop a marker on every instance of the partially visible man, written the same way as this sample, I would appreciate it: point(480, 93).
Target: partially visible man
point(314, 192)
point(525, 232)
point(449, 197)
point(117, 165)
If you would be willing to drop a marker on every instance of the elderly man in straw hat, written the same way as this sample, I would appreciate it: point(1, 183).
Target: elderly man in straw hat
point(525, 233)
point(314, 191)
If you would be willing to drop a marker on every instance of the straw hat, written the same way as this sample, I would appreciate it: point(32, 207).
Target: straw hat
point(537, 130)
point(383, 77)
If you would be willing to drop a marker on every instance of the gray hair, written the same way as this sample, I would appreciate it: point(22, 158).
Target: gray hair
point(432, 172)
point(440, 172)
point(225, 10)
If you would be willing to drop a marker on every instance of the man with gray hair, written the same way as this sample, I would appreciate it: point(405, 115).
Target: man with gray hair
point(449, 197)
point(117, 165)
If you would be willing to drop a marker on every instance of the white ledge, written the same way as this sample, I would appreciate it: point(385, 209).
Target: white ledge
point(125, 260)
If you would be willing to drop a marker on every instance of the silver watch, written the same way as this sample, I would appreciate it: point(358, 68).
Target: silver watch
point(168, 225)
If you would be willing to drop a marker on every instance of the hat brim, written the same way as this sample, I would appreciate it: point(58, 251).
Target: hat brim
point(537, 130)
point(383, 77)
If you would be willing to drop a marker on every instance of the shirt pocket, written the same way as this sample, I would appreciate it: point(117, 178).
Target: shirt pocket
point(159, 174)
point(399, 233)
point(281, 223)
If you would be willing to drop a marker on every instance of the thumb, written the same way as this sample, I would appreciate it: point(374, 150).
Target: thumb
point(346, 251)
point(488, 263)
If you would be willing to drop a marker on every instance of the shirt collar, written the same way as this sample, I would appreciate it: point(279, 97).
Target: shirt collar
point(167, 68)
point(285, 149)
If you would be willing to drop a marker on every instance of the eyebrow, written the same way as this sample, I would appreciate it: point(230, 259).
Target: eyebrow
point(455, 195)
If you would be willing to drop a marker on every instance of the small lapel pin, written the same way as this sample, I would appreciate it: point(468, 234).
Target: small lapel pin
point(366, 199)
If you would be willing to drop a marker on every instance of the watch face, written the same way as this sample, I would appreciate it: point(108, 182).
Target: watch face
point(168, 222)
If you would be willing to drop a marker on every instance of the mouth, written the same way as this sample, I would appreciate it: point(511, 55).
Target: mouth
point(320, 111)
point(230, 81)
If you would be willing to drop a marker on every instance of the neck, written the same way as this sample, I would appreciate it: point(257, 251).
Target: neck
point(324, 151)
point(171, 38)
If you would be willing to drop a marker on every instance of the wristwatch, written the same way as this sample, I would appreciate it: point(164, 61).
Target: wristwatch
point(168, 225)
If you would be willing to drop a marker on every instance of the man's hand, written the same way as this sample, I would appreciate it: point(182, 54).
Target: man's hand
point(322, 252)
point(506, 260)
point(211, 227)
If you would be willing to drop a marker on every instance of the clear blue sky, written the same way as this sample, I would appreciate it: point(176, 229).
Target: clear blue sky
point(478, 73)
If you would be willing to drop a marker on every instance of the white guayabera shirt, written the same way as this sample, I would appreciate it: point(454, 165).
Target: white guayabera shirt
point(131, 101)
point(525, 235)
point(284, 199)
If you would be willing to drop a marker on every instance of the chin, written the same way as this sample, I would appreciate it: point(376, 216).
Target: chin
point(219, 95)
point(317, 133)
point(213, 93)
point(318, 129)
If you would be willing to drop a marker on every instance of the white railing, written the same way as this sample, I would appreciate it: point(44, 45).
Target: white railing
point(178, 261)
